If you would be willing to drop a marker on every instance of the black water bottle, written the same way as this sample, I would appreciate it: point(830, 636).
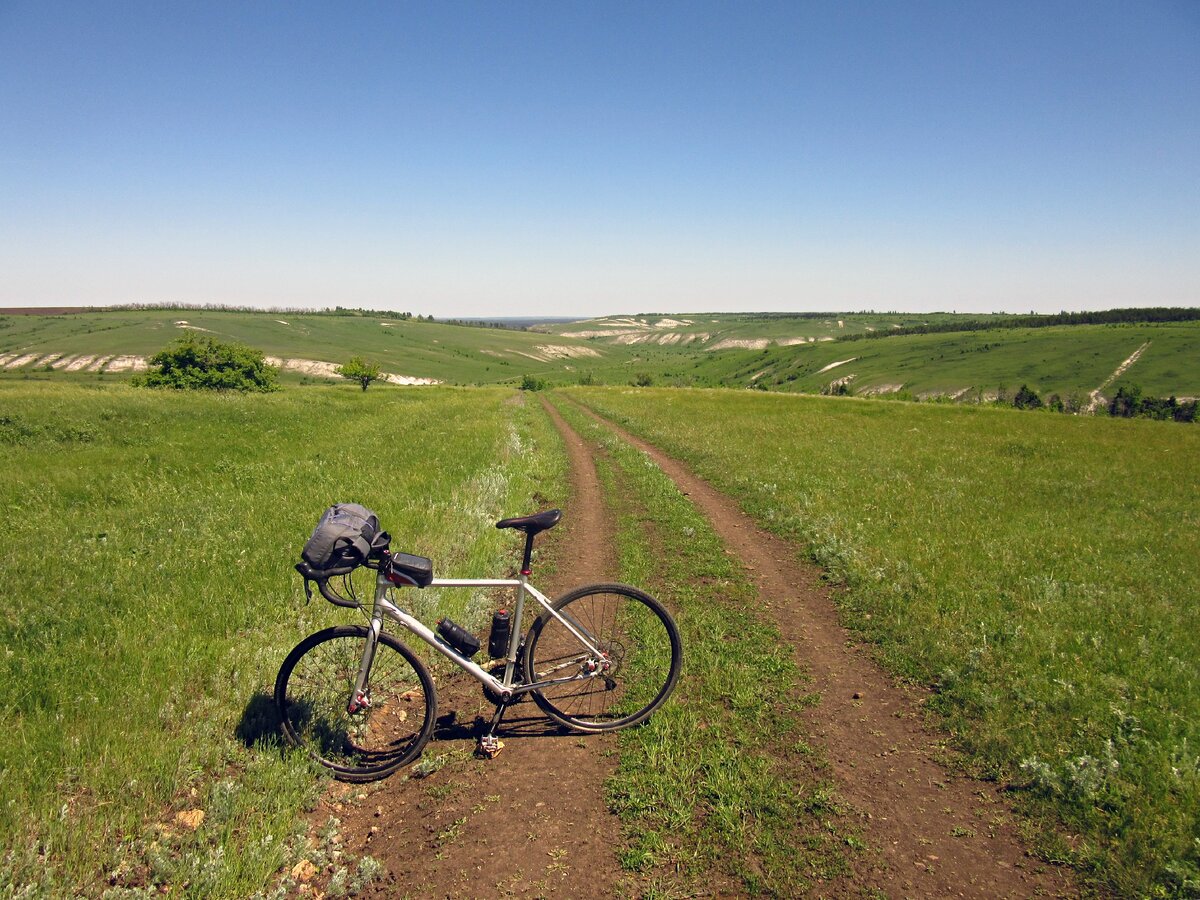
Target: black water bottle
point(501, 629)
point(458, 637)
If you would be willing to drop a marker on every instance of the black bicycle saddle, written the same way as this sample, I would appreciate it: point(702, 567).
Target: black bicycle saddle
point(531, 525)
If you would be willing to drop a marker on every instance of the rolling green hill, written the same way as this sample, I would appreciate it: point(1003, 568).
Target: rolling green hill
point(449, 353)
point(1064, 360)
point(754, 331)
point(803, 352)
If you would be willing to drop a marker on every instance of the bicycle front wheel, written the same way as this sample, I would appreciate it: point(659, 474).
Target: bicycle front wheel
point(628, 675)
point(364, 740)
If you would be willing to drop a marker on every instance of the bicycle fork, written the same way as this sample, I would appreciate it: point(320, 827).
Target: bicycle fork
point(360, 698)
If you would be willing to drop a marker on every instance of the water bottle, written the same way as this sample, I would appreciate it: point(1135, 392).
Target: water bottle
point(501, 629)
point(458, 637)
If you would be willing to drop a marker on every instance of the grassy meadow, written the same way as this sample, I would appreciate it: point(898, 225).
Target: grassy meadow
point(1037, 571)
point(147, 566)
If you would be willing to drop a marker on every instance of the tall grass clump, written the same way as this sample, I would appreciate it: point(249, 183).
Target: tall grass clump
point(150, 599)
point(1038, 572)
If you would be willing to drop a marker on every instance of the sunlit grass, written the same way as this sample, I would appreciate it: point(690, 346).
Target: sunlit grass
point(150, 600)
point(1038, 571)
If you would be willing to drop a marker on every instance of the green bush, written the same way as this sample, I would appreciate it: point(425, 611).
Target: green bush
point(1130, 402)
point(204, 363)
point(1027, 398)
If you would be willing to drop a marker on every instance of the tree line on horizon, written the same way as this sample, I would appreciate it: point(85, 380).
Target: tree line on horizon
point(1128, 316)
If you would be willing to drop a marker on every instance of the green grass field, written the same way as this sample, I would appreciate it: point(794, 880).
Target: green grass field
point(148, 618)
point(151, 600)
point(1037, 571)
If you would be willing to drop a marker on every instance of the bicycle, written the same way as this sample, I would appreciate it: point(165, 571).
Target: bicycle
point(600, 658)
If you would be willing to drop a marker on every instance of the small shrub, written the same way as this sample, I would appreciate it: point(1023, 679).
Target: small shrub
point(204, 363)
point(369, 869)
point(1027, 398)
point(1126, 403)
point(360, 370)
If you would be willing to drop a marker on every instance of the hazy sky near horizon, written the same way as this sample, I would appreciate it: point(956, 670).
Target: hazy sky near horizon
point(569, 158)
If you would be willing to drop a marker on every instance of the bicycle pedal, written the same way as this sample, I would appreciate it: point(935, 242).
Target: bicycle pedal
point(489, 746)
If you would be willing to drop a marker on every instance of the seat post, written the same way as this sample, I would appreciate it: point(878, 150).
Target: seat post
point(526, 563)
point(531, 525)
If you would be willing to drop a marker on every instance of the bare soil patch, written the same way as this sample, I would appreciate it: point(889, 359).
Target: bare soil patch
point(931, 831)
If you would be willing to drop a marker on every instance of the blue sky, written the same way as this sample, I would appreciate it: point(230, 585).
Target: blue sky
point(587, 158)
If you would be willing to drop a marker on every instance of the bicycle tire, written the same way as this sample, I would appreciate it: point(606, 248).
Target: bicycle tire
point(313, 692)
point(641, 645)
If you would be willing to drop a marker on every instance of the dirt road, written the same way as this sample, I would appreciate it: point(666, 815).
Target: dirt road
point(533, 821)
point(930, 832)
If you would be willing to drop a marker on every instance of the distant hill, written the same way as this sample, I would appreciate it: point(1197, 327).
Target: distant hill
point(964, 357)
point(98, 341)
point(1162, 359)
point(517, 322)
point(723, 331)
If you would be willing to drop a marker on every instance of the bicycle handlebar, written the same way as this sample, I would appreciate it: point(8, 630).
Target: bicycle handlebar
point(322, 581)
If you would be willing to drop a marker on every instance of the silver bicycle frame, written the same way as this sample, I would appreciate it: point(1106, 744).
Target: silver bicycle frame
point(383, 606)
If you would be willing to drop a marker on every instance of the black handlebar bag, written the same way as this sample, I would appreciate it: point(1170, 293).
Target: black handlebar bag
point(344, 538)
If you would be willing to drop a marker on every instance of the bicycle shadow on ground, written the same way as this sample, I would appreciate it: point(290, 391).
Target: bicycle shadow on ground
point(466, 718)
point(259, 726)
point(519, 722)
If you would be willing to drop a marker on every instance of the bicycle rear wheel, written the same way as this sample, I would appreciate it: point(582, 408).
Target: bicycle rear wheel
point(314, 689)
point(639, 662)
